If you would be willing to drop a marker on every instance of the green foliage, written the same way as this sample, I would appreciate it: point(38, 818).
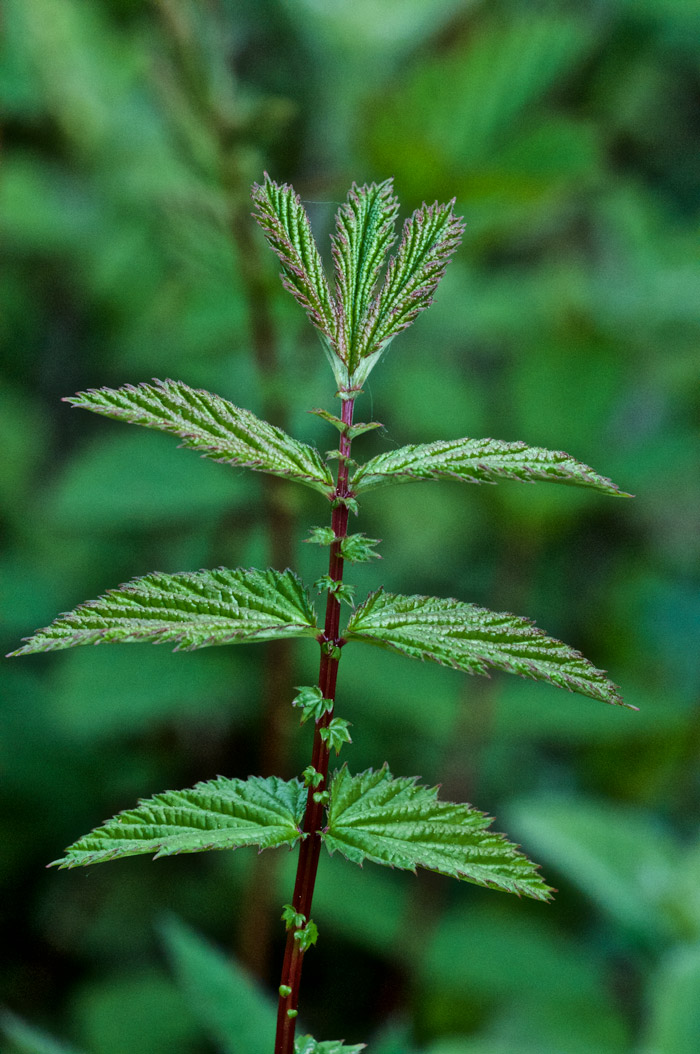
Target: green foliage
point(194, 609)
point(470, 638)
point(288, 231)
point(477, 461)
point(357, 325)
point(357, 548)
point(341, 590)
point(308, 1045)
point(220, 814)
point(364, 234)
point(311, 702)
point(213, 426)
point(399, 823)
point(26, 1039)
point(335, 734)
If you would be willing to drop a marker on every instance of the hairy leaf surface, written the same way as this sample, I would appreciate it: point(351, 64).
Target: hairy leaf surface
point(286, 226)
point(213, 426)
point(473, 639)
point(430, 237)
point(399, 823)
point(220, 814)
point(192, 609)
point(477, 461)
point(364, 234)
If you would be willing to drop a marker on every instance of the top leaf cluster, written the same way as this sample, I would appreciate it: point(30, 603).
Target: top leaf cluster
point(359, 318)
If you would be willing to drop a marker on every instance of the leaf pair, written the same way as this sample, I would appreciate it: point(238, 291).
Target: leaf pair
point(205, 608)
point(358, 320)
point(371, 816)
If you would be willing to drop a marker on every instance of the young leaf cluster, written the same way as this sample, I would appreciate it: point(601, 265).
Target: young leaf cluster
point(359, 318)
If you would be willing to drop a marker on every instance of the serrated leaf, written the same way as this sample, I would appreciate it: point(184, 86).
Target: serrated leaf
point(287, 229)
point(219, 814)
point(399, 823)
point(478, 461)
point(213, 426)
point(308, 1045)
point(364, 233)
point(192, 609)
point(473, 639)
point(430, 237)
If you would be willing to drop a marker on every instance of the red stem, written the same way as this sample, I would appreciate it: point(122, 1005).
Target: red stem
point(310, 848)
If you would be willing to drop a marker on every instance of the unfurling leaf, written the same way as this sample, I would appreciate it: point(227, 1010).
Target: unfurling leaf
point(220, 814)
point(291, 917)
point(336, 734)
point(308, 1045)
point(477, 461)
point(191, 609)
point(345, 429)
point(307, 935)
point(311, 777)
point(357, 548)
point(213, 426)
point(286, 226)
point(343, 593)
point(321, 536)
point(473, 639)
point(358, 320)
point(399, 823)
point(312, 703)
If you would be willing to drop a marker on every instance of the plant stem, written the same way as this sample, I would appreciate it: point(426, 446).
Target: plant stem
point(310, 848)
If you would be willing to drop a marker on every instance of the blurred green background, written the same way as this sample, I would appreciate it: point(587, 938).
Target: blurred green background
point(569, 134)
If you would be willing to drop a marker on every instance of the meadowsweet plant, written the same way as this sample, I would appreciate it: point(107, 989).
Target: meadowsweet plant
point(372, 815)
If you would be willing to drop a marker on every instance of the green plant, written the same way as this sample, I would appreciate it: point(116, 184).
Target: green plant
point(372, 815)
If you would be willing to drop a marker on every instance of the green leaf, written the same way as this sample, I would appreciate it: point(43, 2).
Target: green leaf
point(286, 226)
point(477, 461)
point(473, 639)
point(236, 1013)
point(213, 426)
point(430, 237)
point(674, 1001)
point(336, 734)
point(349, 430)
point(308, 1045)
point(399, 823)
point(364, 234)
point(220, 814)
point(312, 703)
point(357, 548)
point(342, 592)
point(307, 936)
point(321, 536)
point(194, 609)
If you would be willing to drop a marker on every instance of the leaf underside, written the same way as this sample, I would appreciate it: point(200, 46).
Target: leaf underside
point(213, 426)
point(473, 639)
point(399, 823)
point(478, 461)
point(220, 814)
point(190, 609)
